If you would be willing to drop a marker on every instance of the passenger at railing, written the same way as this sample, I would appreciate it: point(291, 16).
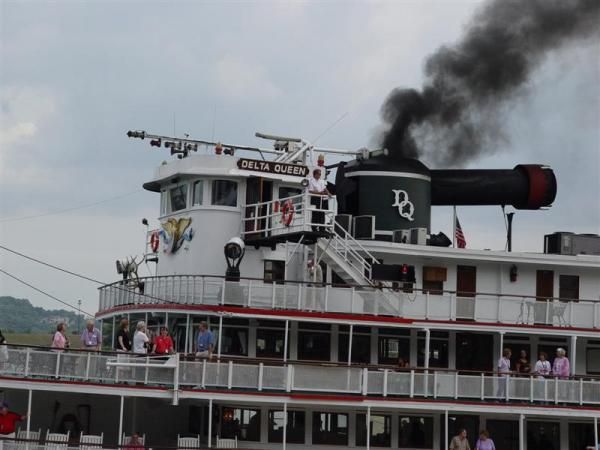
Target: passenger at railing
point(542, 367)
point(317, 187)
point(504, 371)
point(163, 344)
point(523, 365)
point(205, 342)
point(484, 442)
point(140, 339)
point(561, 367)
point(3, 350)
point(123, 343)
point(135, 442)
point(8, 421)
point(460, 441)
point(402, 363)
point(91, 339)
point(315, 278)
point(60, 341)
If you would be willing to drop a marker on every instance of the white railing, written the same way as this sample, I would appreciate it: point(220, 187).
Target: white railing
point(295, 214)
point(351, 251)
point(175, 374)
point(483, 307)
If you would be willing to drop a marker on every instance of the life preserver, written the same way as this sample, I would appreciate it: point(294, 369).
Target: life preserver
point(154, 241)
point(287, 213)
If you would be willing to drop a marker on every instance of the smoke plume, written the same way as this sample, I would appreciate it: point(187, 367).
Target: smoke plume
point(457, 114)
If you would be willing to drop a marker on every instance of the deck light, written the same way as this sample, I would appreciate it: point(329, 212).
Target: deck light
point(234, 252)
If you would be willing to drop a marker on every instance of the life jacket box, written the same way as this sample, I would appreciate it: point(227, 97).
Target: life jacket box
point(343, 222)
point(418, 236)
point(401, 236)
point(364, 227)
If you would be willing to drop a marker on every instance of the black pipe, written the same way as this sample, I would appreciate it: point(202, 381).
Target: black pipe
point(509, 218)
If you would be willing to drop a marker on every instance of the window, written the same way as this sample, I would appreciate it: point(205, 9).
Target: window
point(415, 432)
point(241, 423)
point(198, 192)
point(593, 361)
point(392, 348)
point(235, 337)
point(568, 287)
point(433, 280)
point(380, 429)
point(330, 428)
point(438, 349)
point(163, 203)
point(581, 435)
point(285, 192)
point(543, 435)
point(178, 197)
point(295, 427)
point(314, 341)
point(224, 193)
point(505, 433)
point(269, 343)
point(361, 344)
point(274, 271)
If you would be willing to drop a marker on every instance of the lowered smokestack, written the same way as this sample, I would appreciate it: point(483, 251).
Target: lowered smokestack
point(456, 115)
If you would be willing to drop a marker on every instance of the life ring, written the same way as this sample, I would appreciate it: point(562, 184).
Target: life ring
point(287, 213)
point(154, 241)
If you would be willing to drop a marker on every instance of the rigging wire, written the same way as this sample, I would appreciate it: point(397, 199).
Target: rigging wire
point(43, 292)
point(74, 208)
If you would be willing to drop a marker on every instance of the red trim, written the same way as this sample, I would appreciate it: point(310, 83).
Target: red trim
point(325, 316)
point(311, 397)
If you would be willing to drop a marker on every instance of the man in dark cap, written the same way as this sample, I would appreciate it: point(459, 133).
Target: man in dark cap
point(8, 421)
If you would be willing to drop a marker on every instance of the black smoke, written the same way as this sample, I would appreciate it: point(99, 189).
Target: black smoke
point(457, 115)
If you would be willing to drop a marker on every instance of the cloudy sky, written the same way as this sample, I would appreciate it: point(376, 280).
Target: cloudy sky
point(75, 76)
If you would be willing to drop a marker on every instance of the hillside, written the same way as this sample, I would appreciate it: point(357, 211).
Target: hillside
point(20, 316)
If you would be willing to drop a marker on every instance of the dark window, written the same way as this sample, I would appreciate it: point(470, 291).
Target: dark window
point(178, 197)
point(274, 271)
point(581, 435)
point(593, 361)
point(568, 287)
point(234, 342)
point(330, 428)
point(295, 426)
point(415, 432)
point(198, 193)
point(392, 348)
point(474, 351)
point(241, 423)
point(361, 348)
point(543, 435)
point(285, 192)
point(544, 284)
point(505, 433)
point(314, 345)
point(433, 280)
point(380, 430)
point(224, 193)
point(269, 343)
point(466, 281)
point(438, 349)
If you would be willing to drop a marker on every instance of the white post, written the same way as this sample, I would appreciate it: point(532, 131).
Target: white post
point(187, 343)
point(112, 338)
point(427, 339)
point(220, 337)
point(501, 344)
point(368, 427)
point(573, 358)
point(446, 433)
point(521, 432)
point(29, 400)
point(596, 440)
point(284, 425)
point(350, 344)
point(210, 414)
point(285, 339)
point(121, 420)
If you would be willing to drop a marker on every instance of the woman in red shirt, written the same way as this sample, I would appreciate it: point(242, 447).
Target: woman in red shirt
point(163, 344)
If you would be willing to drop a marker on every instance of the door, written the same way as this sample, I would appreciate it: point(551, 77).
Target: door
point(544, 284)
point(474, 351)
point(466, 281)
point(505, 433)
point(258, 190)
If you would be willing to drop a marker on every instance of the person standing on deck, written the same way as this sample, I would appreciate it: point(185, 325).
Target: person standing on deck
point(8, 421)
point(504, 372)
point(561, 367)
point(205, 342)
point(317, 187)
point(460, 441)
point(91, 339)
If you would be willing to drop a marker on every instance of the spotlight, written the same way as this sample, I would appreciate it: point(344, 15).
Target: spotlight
point(234, 252)
point(155, 142)
point(136, 134)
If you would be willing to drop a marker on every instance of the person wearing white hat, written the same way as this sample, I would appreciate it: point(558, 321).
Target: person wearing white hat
point(561, 367)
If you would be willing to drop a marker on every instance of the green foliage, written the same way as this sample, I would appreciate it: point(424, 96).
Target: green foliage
point(20, 316)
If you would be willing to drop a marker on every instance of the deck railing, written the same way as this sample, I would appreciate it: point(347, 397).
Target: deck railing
point(481, 307)
point(176, 373)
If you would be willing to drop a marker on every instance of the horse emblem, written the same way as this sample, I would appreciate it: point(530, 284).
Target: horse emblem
point(175, 232)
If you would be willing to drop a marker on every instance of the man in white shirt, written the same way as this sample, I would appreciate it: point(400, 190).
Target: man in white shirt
point(504, 371)
point(317, 187)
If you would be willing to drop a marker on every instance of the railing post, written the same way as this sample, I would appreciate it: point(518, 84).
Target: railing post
point(299, 296)
point(482, 386)
point(365, 381)
point(223, 292)
point(146, 371)
point(435, 383)
point(498, 309)
point(326, 308)
point(385, 382)
point(273, 290)
point(87, 365)
point(581, 391)
point(456, 385)
point(204, 363)
point(261, 369)
point(507, 396)
point(289, 378)
point(27, 357)
point(57, 370)
point(352, 300)
point(427, 305)
point(548, 312)
point(531, 388)
point(412, 383)
point(249, 293)
point(555, 390)
point(571, 313)
point(475, 308)
point(229, 374)
point(176, 381)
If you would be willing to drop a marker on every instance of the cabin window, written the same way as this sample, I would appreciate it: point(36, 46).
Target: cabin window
point(593, 361)
point(361, 344)
point(241, 423)
point(380, 427)
point(415, 432)
point(224, 193)
point(269, 343)
point(163, 203)
point(581, 435)
point(433, 280)
point(198, 192)
point(285, 192)
point(330, 428)
point(314, 343)
point(568, 287)
point(178, 197)
point(544, 435)
point(294, 434)
point(235, 337)
point(274, 271)
point(438, 349)
point(392, 348)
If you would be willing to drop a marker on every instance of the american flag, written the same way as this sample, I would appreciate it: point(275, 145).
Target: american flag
point(460, 237)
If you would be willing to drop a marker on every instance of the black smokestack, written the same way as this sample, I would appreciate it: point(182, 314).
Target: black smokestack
point(456, 115)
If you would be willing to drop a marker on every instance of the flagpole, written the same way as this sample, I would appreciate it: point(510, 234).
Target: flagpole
point(454, 227)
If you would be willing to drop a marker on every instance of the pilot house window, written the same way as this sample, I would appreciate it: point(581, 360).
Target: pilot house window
point(568, 286)
point(198, 193)
point(178, 197)
point(224, 193)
